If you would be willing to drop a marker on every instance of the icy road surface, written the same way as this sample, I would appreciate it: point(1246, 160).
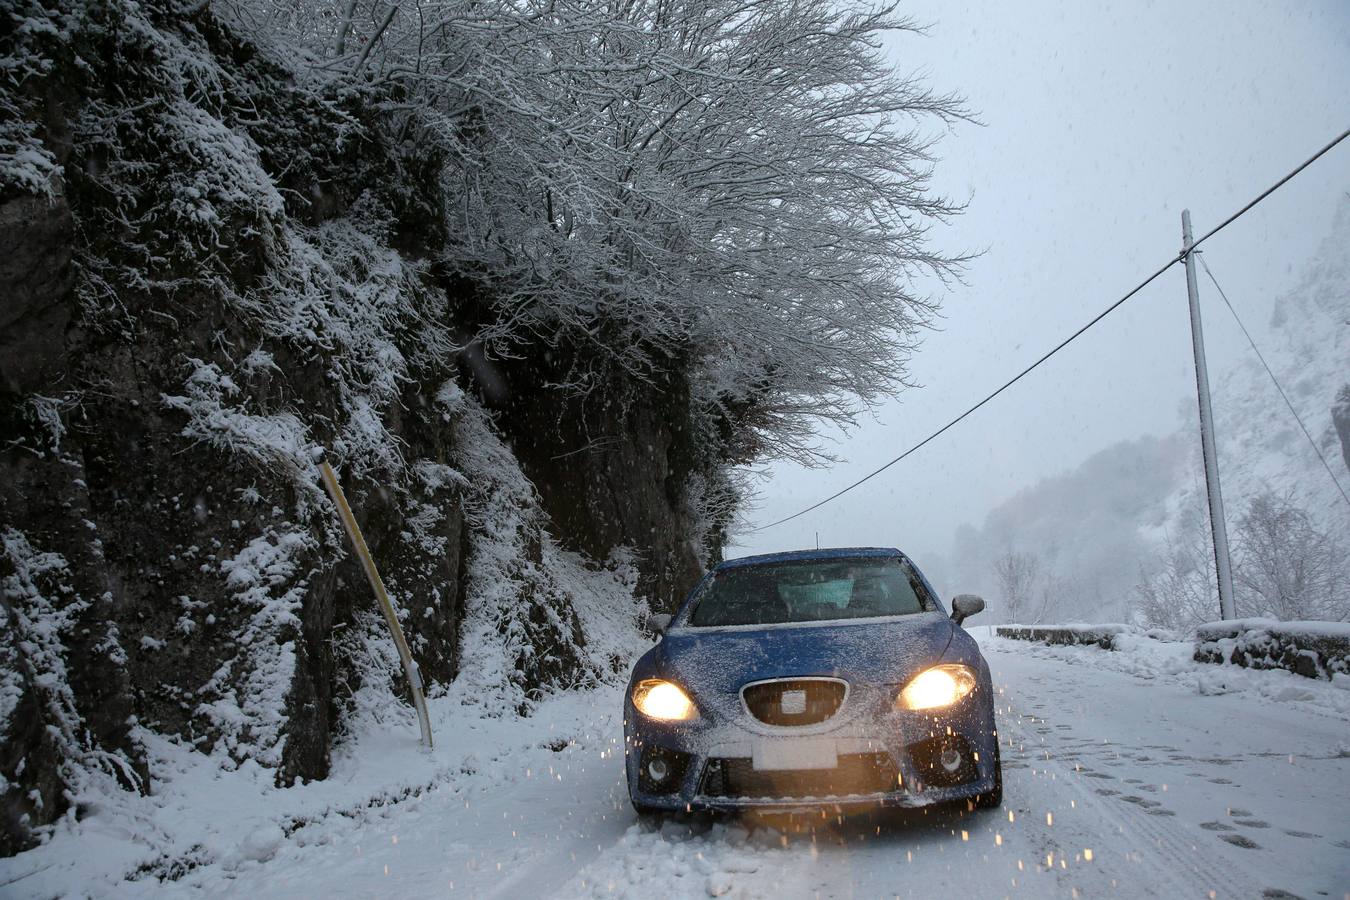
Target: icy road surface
point(1126, 775)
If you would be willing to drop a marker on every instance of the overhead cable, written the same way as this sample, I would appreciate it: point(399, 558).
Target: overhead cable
point(1064, 343)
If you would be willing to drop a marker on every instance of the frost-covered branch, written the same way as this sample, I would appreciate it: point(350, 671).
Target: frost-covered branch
point(740, 186)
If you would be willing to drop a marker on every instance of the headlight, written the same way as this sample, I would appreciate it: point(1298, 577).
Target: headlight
point(939, 686)
point(663, 700)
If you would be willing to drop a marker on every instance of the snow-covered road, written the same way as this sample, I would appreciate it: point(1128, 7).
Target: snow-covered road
point(1123, 778)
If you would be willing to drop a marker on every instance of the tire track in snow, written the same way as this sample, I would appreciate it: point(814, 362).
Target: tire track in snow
point(1168, 853)
point(1173, 855)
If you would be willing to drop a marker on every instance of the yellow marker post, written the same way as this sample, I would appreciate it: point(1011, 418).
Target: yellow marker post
point(330, 482)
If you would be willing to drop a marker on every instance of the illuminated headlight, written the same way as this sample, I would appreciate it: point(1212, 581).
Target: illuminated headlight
point(664, 701)
point(939, 686)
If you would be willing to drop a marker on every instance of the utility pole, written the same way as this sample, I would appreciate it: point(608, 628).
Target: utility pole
point(1222, 561)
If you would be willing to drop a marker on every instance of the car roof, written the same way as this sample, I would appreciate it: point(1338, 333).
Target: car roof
point(794, 555)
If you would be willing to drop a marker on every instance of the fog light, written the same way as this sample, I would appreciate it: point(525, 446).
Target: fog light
point(657, 770)
point(950, 759)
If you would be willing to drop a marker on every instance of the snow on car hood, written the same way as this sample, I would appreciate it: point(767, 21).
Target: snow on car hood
point(867, 651)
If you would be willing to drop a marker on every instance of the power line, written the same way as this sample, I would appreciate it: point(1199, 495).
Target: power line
point(1297, 418)
point(1064, 343)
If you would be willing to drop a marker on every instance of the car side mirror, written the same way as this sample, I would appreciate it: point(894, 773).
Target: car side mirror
point(658, 622)
point(966, 605)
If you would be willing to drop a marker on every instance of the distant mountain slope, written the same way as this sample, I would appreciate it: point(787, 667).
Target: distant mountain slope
point(1087, 528)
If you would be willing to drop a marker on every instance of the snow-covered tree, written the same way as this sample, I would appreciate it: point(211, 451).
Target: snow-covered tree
point(1288, 567)
point(1018, 575)
point(740, 189)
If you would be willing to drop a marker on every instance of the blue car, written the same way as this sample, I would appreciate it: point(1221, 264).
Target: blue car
point(816, 678)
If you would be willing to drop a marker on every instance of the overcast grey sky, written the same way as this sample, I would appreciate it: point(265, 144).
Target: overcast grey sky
point(1101, 122)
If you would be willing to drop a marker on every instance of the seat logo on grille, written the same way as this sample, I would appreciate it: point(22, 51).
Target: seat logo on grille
point(792, 703)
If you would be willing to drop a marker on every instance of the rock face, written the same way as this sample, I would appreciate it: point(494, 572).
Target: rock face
point(610, 465)
point(211, 272)
point(38, 277)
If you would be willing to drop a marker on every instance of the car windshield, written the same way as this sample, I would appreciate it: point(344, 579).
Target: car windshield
point(815, 590)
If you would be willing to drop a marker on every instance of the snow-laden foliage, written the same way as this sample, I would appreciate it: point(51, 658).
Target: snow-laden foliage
point(25, 164)
point(742, 188)
point(339, 294)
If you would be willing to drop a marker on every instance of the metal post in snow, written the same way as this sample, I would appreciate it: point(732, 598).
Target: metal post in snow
point(1222, 561)
point(414, 675)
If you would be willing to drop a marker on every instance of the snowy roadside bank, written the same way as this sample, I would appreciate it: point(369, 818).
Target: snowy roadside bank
point(1173, 661)
point(1311, 649)
point(1099, 635)
point(207, 828)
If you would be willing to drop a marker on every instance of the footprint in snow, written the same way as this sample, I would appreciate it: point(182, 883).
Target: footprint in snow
point(1107, 792)
point(1140, 801)
point(1216, 826)
point(719, 883)
point(1220, 781)
point(1301, 834)
point(1278, 894)
point(1252, 823)
point(1239, 813)
point(1161, 812)
point(1239, 840)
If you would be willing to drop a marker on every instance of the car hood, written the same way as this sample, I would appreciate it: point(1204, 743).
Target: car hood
point(867, 651)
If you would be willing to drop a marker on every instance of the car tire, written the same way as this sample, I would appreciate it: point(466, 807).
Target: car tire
point(993, 799)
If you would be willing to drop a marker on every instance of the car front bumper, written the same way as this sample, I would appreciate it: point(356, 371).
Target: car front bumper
point(892, 759)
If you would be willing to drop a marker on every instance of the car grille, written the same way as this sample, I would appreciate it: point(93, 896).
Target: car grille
point(794, 701)
point(858, 774)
